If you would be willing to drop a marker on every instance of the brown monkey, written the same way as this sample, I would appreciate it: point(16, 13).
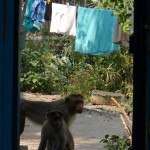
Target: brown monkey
point(55, 134)
point(35, 110)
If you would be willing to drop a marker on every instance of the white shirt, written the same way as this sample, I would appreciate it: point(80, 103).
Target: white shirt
point(63, 19)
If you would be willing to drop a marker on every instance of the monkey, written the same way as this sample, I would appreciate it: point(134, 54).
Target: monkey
point(35, 110)
point(55, 134)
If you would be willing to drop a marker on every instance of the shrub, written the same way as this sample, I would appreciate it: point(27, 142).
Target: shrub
point(115, 142)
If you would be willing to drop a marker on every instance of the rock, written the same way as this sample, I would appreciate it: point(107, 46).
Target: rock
point(103, 97)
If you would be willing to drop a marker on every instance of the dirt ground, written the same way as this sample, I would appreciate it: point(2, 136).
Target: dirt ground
point(88, 129)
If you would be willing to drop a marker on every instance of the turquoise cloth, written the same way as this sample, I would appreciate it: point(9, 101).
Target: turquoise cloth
point(95, 31)
point(34, 15)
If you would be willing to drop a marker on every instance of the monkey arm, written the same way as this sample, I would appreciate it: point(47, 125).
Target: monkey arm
point(43, 142)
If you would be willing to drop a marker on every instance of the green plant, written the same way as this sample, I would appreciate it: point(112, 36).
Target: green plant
point(115, 142)
point(81, 82)
point(46, 71)
point(39, 68)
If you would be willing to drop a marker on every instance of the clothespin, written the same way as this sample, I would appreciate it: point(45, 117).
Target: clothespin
point(48, 1)
point(67, 4)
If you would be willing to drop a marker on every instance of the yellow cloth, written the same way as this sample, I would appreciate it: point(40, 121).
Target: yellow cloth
point(48, 1)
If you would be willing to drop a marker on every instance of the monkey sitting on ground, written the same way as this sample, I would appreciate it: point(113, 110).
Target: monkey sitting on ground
point(55, 134)
point(35, 110)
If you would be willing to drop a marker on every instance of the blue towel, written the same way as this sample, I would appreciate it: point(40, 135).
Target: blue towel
point(95, 31)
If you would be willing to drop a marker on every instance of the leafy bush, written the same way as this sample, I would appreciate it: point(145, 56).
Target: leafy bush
point(111, 72)
point(46, 69)
point(115, 142)
point(40, 68)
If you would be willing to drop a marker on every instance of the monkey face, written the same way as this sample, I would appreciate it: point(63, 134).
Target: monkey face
point(56, 118)
point(79, 106)
point(75, 103)
point(57, 123)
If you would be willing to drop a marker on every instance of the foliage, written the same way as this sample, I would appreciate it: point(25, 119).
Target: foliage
point(40, 67)
point(111, 72)
point(115, 142)
point(47, 68)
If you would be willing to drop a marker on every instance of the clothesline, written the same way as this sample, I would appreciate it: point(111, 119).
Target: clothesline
point(96, 31)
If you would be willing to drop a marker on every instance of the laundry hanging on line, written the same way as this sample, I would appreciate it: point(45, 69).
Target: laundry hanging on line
point(63, 19)
point(120, 37)
point(95, 31)
point(34, 15)
point(37, 10)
